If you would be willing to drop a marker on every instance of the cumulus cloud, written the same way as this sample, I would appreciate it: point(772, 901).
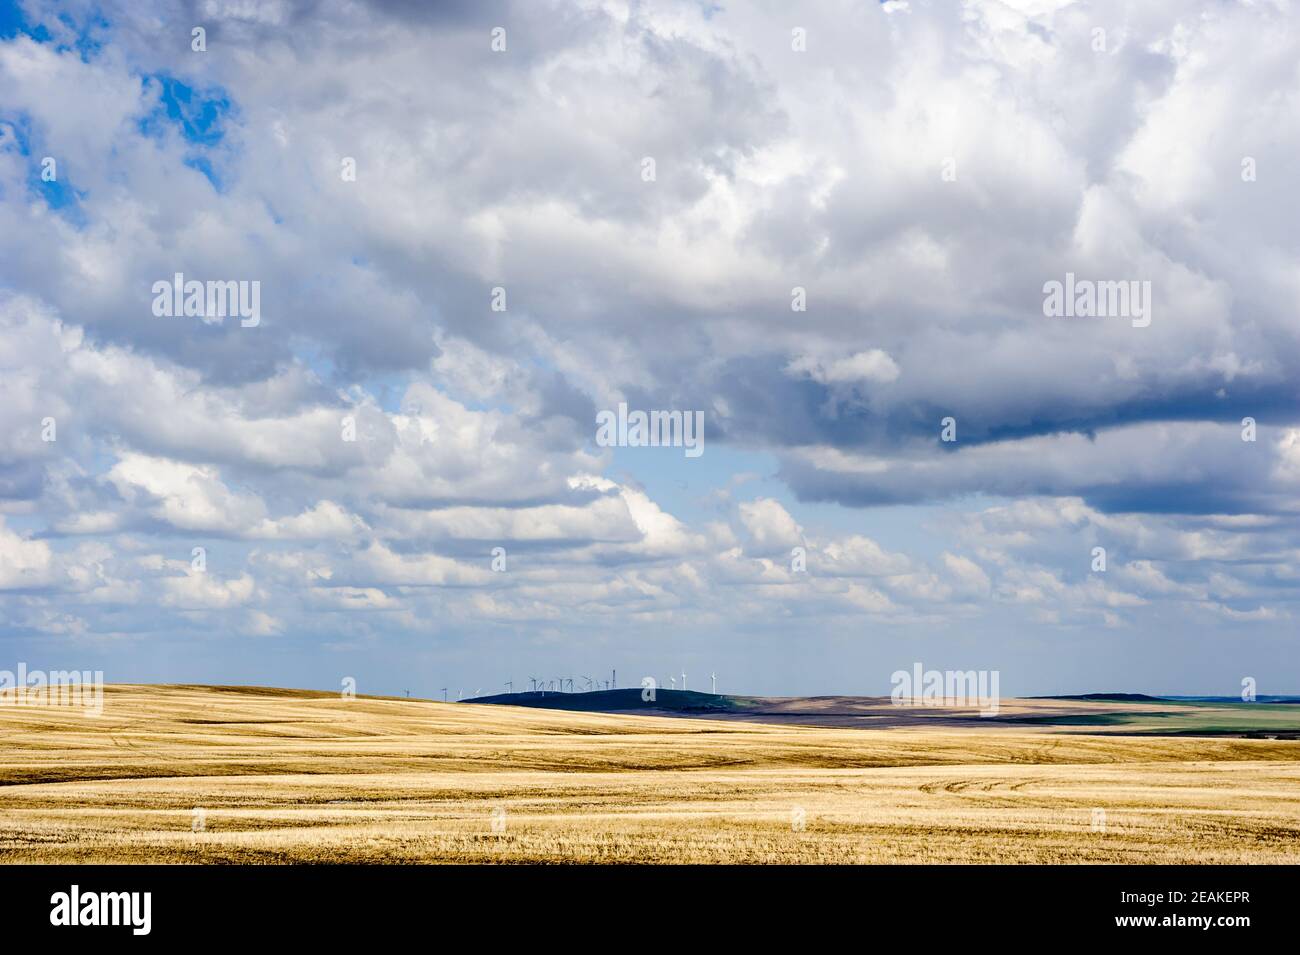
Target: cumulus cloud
point(24, 562)
point(865, 366)
point(920, 173)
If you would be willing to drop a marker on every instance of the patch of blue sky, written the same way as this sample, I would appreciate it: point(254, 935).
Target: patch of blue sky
point(47, 175)
point(59, 194)
point(390, 391)
point(310, 355)
point(204, 165)
point(200, 116)
point(923, 531)
point(688, 488)
point(83, 36)
point(34, 525)
point(387, 390)
point(14, 22)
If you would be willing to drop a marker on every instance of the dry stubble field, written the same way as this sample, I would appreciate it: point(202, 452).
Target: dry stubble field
point(297, 776)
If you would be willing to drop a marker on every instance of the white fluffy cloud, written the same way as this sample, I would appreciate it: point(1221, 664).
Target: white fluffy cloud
point(919, 172)
point(24, 562)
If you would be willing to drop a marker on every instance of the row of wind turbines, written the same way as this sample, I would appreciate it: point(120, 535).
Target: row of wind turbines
point(567, 684)
point(713, 677)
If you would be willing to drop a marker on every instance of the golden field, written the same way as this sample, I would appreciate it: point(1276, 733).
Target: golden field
point(297, 776)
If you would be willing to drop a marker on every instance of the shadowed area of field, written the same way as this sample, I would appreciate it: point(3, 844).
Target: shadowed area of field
point(1127, 713)
point(283, 776)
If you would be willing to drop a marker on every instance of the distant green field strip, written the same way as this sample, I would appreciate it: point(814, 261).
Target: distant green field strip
point(1186, 717)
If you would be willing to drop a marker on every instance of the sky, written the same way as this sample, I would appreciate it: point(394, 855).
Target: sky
point(829, 229)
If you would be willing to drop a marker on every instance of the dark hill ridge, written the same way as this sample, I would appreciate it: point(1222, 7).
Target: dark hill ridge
point(1120, 713)
point(680, 701)
point(1107, 697)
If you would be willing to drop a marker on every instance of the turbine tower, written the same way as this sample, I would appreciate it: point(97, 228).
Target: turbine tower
point(683, 679)
point(714, 678)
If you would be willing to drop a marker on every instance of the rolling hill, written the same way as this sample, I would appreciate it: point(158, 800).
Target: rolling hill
point(248, 774)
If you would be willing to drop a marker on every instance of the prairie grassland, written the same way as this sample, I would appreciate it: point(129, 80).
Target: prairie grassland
point(295, 776)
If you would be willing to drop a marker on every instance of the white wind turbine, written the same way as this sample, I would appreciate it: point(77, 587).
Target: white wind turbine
point(714, 678)
point(683, 679)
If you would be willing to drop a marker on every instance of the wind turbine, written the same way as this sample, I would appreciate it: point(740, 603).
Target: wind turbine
point(673, 680)
point(683, 679)
point(714, 678)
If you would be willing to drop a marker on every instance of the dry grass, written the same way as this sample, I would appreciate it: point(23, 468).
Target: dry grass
point(289, 776)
